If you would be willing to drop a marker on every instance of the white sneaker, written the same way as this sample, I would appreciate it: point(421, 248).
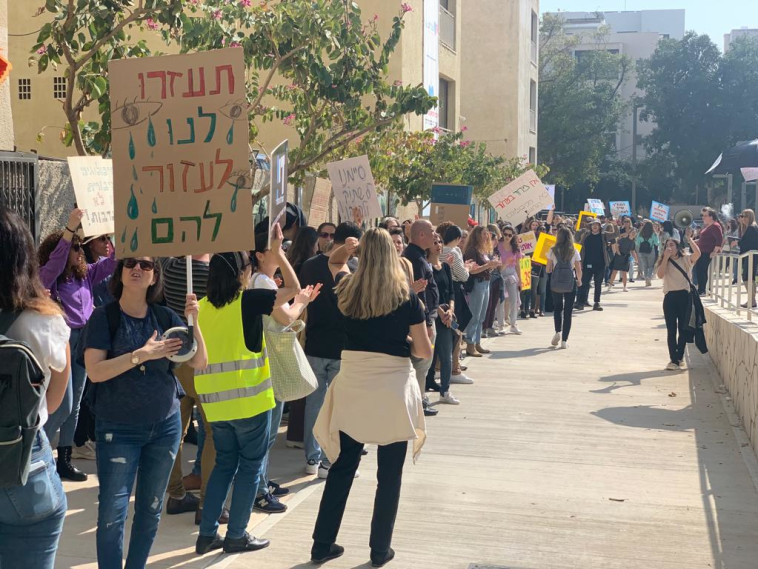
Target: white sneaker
point(682, 366)
point(672, 367)
point(515, 330)
point(311, 467)
point(325, 465)
point(564, 345)
point(84, 452)
point(437, 375)
point(461, 378)
point(556, 339)
point(448, 399)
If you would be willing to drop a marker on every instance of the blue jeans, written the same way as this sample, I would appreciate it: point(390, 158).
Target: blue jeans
point(325, 370)
point(276, 420)
point(443, 350)
point(66, 416)
point(240, 450)
point(477, 303)
point(125, 453)
point(31, 516)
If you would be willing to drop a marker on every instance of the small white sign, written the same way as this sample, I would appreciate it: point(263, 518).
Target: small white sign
point(524, 196)
point(92, 177)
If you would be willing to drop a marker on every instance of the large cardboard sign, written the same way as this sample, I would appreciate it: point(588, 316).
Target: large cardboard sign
point(527, 242)
point(277, 203)
point(551, 190)
point(524, 196)
point(596, 206)
point(92, 177)
point(353, 186)
point(525, 268)
point(452, 194)
point(582, 215)
point(620, 208)
point(440, 212)
point(319, 209)
point(180, 154)
point(659, 211)
point(544, 244)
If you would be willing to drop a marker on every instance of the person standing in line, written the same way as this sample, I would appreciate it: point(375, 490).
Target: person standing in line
point(646, 243)
point(324, 339)
point(672, 267)
point(748, 242)
point(565, 268)
point(593, 266)
point(710, 243)
point(478, 249)
point(510, 256)
point(375, 398)
point(32, 515)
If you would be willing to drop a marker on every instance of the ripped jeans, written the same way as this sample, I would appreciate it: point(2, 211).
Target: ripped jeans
point(124, 453)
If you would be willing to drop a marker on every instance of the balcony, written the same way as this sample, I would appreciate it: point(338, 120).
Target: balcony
point(447, 29)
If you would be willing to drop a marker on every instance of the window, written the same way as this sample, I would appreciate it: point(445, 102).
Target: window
point(535, 35)
point(24, 89)
point(533, 106)
point(59, 87)
point(443, 103)
point(532, 155)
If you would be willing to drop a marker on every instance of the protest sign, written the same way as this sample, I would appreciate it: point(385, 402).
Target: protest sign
point(523, 197)
point(527, 242)
point(596, 206)
point(180, 154)
point(582, 215)
point(525, 268)
point(353, 186)
point(318, 212)
point(452, 194)
point(659, 211)
point(544, 244)
point(551, 190)
point(92, 177)
point(440, 212)
point(620, 208)
point(277, 202)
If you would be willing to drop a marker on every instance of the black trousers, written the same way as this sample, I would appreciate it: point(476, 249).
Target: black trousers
point(596, 273)
point(563, 308)
point(701, 270)
point(675, 305)
point(389, 476)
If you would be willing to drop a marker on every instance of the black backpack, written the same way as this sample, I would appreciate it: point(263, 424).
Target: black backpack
point(562, 277)
point(645, 246)
point(22, 387)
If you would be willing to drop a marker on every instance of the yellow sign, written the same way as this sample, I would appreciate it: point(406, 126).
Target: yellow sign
point(544, 244)
point(583, 214)
point(525, 267)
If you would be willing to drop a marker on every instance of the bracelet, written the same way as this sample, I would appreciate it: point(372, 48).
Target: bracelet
point(71, 230)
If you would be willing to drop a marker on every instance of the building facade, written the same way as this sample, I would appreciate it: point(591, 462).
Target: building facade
point(741, 33)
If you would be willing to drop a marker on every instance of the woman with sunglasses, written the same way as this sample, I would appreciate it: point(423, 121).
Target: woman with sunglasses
point(136, 406)
point(70, 279)
point(748, 242)
point(510, 256)
point(325, 233)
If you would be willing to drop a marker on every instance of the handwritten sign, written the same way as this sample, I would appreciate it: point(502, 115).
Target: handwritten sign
point(525, 268)
point(659, 211)
point(180, 154)
point(277, 202)
point(353, 186)
point(620, 208)
point(544, 244)
point(596, 206)
point(527, 242)
point(524, 196)
point(92, 178)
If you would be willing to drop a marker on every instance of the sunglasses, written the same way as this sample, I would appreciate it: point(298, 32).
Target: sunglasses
point(144, 265)
point(325, 235)
point(507, 235)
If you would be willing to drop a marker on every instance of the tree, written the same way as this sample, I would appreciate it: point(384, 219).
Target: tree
point(579, 102)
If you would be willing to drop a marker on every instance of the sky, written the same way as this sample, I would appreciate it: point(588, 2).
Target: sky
point(702, 16)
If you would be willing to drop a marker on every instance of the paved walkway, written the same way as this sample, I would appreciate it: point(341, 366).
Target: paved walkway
point(591, 457)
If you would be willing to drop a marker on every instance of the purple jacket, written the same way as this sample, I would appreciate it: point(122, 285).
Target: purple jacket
point(74, 294)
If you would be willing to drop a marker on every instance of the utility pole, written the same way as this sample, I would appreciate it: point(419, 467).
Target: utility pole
point(634, 160)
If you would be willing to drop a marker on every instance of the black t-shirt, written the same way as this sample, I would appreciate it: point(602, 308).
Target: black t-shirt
point(325, 328)
point(593, 250)
point(423, 270)
point(386, 334)
point(444, 279)
point(255, 303)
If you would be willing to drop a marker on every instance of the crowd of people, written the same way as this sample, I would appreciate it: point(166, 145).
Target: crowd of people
point(391, 314)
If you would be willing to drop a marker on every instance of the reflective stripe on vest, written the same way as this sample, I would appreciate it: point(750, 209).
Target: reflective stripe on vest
point(238, 393)
point(238, 365)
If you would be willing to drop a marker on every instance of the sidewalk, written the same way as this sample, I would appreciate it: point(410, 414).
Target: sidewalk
point(590, 457)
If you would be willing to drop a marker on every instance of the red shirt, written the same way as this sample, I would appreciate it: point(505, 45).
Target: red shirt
point(710, 238)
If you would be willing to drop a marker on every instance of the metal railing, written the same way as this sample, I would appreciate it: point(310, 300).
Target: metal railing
point(447, 29)
point(726, 286)
point(19, 183)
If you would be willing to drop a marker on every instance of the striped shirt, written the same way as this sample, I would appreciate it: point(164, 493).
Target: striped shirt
point(460, 272)
point(175, 282)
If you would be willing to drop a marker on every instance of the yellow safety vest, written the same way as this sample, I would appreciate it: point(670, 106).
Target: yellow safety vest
point(237, 382)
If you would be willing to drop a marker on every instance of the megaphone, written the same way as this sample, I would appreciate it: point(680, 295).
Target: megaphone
point(186, 335)
point(683, 218)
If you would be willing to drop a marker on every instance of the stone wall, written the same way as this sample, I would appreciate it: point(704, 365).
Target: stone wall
point(55, 198)
point(733, 347)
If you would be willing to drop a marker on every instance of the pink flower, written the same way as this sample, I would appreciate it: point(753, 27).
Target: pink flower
point(42, 50)
point(288, 119)
point(464, 128)
point(405, 7)
point(216, 15)
point(397, 83)
point(235, 44)
point(465, 143)
point(436, 130)
point(246, 3)
point(151, 24)
point(375, 18)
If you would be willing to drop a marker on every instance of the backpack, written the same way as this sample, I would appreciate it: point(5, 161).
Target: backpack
point(22, 387)
point(645, 246)
point(562, 278)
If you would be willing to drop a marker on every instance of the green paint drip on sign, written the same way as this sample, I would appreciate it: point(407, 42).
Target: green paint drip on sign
point(155, 206)
point(134, 244)
point(230, 135)
point(134, 173)
point(132, 208)
point(123, 236)
point(150, 132)
point(233, 205)
point(132, 152)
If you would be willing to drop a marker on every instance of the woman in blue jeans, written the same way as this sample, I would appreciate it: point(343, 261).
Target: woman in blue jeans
point(136, 406)
point(31, 514)
point(478, 249)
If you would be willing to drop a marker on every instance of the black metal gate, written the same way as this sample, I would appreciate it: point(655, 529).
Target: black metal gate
point(19, 182)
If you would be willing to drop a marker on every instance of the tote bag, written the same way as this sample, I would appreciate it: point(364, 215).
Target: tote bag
point(291, 374)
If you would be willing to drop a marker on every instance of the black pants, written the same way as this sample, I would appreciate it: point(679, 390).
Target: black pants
point(675, 305)
point(596, 273)
point(563, 307)
point(389, 476)
point(701, 270)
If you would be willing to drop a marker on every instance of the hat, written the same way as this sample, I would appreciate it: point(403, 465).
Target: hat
point(91, 238)
point(595, 220)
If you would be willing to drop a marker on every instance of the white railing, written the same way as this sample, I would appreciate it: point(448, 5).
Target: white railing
point(725, 284)
point(447, 29)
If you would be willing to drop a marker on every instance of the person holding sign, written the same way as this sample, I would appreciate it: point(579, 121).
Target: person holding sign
point(593, 266)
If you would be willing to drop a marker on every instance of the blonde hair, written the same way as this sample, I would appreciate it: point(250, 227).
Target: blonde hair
point(379, 285)
point(749, 217)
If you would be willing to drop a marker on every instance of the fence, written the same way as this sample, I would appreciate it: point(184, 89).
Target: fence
point(726, 286)
point(19, 180)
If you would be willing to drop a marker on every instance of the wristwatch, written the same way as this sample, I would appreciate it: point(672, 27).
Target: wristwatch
point(135, 358)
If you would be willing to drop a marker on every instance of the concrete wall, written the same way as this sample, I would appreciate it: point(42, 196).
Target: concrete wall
point(733, 347)
point(6, 118)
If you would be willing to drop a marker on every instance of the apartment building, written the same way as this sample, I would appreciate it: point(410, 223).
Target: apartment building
point(734, 34)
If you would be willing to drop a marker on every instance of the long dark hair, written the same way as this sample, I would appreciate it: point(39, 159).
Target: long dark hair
point(477, 243)
point(303, 247)
point(647, 230)
point(154, 291)
point(564, 245)
point(224, 272)
point(47, 247)
point(20, 287)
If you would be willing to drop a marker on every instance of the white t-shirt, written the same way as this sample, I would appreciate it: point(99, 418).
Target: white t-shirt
point(47, 336)
point(262, 281)
point(577, 258)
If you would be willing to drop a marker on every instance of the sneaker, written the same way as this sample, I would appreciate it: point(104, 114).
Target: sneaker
point(294, 444)
point(461, 378)
point(515, 330)
point(276, 489)
point(626, 289)
point(84, 452)
point(579, 306)
point(245, 543)
point(672, 366)
point(597, 307)
point(648, 282)
point(682, 366)
point(269, 504)
point(556, 339)
point(564, 345)
point(323, 470)
point(448, 399)
point(311, 467)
